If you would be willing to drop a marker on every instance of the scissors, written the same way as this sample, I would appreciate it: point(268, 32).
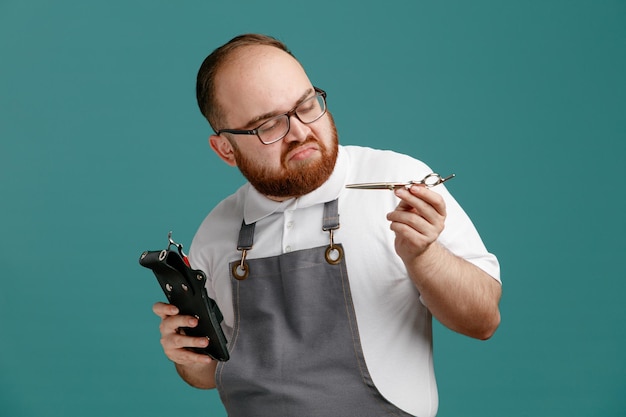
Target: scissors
point(430, 180)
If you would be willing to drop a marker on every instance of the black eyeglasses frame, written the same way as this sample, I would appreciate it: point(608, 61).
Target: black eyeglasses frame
point(292, 112)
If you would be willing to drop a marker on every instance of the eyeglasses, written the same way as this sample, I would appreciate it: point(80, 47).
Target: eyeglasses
point(276, 128)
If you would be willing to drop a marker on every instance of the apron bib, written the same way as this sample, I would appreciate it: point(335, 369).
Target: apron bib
point(295, 349)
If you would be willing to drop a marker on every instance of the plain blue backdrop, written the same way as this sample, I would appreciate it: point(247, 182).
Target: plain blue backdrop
point(103, 151)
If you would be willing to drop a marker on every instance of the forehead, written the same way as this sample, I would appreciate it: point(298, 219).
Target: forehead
point(256, 80)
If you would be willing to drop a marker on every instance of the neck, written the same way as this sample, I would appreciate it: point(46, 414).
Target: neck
point(279, 199)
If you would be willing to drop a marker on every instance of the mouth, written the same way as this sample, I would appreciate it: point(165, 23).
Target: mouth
point(303, 152)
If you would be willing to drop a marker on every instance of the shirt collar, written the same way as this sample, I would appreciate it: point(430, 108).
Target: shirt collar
point(257, 206)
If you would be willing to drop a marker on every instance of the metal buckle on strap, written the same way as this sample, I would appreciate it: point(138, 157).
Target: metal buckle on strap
point(241, 270)
point(244, 244)
point(333, 253)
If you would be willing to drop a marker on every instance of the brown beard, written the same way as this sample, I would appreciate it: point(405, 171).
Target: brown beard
point(294, 181)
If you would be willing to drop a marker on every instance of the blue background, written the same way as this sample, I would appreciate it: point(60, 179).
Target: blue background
point(103, 151)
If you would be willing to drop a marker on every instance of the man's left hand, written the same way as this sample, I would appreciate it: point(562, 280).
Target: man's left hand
point(417, 221)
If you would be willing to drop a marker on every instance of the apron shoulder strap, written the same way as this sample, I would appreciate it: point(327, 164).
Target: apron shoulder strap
point(331, 215)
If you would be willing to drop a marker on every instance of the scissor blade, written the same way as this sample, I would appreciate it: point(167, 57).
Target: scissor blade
point(377, 185)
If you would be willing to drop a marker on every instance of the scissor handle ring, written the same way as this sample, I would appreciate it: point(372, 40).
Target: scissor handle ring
point(427, 180)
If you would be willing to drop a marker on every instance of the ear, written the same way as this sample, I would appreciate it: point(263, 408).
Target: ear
point(222, 147)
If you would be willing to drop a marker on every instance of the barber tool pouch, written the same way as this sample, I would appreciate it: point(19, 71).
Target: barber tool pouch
point(184, 288)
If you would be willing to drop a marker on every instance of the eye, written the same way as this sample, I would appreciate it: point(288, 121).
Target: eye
point(272, 124)
point(308, 106)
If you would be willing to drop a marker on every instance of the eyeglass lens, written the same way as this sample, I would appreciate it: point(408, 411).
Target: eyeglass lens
point(307, 112)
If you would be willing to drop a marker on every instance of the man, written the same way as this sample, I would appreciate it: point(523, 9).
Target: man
point(327, 292)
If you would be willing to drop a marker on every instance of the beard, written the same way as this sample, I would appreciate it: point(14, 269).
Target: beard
point(294, 181)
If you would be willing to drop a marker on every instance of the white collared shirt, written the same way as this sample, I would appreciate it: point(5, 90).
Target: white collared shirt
point(395, 327)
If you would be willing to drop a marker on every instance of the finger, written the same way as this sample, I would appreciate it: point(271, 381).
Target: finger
point(411, 220)
point(164, 310)
point(404, 204)
point(420, 211)
point(411, 205)
point(423, 202)
point(181, 341)
point(187, 356)
point(177, 349)
point(172, 324)
point(174, 337)
point(432, 198)
point(413, 228)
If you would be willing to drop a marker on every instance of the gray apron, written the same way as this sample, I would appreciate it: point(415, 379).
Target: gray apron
point(295, 349)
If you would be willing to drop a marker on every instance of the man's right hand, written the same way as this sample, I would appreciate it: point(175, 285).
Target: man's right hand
point(195, 368)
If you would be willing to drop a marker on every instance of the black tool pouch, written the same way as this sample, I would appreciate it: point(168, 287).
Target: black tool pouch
point(184, 288)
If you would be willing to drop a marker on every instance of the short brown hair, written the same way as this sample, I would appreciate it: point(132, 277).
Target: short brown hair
point(205, 83)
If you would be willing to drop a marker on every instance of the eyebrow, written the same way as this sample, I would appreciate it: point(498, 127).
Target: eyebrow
point(269, 115)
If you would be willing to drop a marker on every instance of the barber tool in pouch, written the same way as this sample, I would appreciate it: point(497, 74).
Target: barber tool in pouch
point(184, 288)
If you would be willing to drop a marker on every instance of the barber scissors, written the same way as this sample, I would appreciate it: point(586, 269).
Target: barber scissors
point(429, 181)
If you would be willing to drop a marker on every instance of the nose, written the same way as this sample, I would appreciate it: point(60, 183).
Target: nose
point(298, 131)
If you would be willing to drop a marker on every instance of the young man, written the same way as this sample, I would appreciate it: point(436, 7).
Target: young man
point(328, 309)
